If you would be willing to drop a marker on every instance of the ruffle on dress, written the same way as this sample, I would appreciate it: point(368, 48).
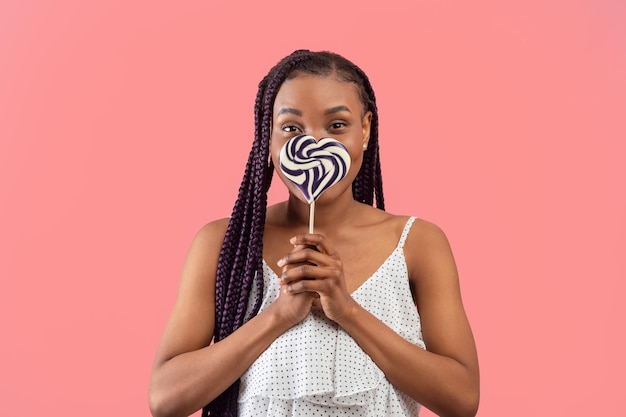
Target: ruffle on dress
point(314, 361)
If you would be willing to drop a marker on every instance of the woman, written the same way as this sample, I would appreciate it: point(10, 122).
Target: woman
point(323, 323)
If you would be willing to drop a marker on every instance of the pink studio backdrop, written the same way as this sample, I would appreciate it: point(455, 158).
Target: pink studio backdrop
point(125, 126)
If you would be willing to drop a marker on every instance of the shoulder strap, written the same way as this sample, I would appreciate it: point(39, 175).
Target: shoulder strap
point(405, 232)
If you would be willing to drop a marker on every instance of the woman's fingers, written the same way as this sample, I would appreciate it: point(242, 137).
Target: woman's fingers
point(309, 248)
point(314, 267)
point(308, 272)
point(306, 255)
point(316, 240)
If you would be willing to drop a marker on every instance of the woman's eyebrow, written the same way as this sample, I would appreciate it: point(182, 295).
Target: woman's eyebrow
point(337, 109)
point(289, 110)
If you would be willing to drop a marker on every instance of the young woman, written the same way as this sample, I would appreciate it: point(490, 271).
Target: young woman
point(362, 318)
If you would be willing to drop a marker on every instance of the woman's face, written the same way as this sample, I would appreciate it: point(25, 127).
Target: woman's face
point(321, 107)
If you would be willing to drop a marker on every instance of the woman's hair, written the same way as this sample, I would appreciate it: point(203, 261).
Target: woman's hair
point(240, 261)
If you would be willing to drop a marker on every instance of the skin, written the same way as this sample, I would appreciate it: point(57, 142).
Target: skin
point(321, 270)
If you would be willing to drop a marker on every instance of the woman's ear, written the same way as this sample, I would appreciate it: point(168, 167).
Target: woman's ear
point(367, 124)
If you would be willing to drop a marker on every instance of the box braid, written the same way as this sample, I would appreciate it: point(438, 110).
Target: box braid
point(240, 261)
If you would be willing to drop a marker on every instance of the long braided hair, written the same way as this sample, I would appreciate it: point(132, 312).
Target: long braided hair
point(240, 262)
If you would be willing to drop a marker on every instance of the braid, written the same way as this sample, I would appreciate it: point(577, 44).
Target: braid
point(369, 182)
point(240, 262)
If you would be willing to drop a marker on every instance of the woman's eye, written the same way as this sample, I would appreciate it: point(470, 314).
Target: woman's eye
point(337, 125)
point(291, 128)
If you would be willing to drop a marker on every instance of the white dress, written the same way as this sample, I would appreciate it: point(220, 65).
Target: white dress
point(317, 369)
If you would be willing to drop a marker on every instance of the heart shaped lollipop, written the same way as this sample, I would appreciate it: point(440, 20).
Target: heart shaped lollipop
point(314, 166)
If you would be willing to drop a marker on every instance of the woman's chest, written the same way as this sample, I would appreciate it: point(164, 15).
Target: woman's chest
point(360, 255)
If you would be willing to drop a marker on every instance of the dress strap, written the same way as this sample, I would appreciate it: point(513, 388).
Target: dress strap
point(405, 232)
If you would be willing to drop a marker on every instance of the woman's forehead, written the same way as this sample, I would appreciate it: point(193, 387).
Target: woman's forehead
point(314, 90)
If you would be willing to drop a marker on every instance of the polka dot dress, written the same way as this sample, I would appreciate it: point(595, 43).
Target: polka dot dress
point(317, 369)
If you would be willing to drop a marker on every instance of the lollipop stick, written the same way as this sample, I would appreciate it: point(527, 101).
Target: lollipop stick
point(311, 215)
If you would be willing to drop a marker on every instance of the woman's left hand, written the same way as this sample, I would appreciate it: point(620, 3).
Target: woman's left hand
point(314, 266)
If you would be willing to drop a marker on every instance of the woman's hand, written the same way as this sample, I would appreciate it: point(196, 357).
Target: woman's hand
point(293, 307)
point(314, 268)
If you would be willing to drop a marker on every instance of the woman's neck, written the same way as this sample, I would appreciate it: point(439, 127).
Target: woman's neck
point(328, 215)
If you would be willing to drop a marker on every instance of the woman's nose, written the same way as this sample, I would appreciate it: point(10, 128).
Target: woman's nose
point(317, 134)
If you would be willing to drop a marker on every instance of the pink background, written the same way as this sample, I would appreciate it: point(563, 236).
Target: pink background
point(125, 126)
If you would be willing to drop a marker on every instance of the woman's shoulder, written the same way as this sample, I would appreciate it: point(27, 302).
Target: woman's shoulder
point(424, 231)
point(427, 250)
point(213, 227)
point(417, 228)
point(211, 235)
point(425, 237)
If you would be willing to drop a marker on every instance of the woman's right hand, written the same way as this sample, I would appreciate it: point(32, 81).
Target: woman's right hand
point(292, 307)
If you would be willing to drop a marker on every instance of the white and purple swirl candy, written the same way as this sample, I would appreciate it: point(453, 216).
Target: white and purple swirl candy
point(314, 166)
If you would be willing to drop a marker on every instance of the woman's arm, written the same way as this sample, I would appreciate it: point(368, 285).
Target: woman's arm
point(188, 371)
point(443, 378)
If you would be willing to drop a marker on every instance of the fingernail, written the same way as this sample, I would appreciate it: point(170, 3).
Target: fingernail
point(292, 240)
point(281, 262)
